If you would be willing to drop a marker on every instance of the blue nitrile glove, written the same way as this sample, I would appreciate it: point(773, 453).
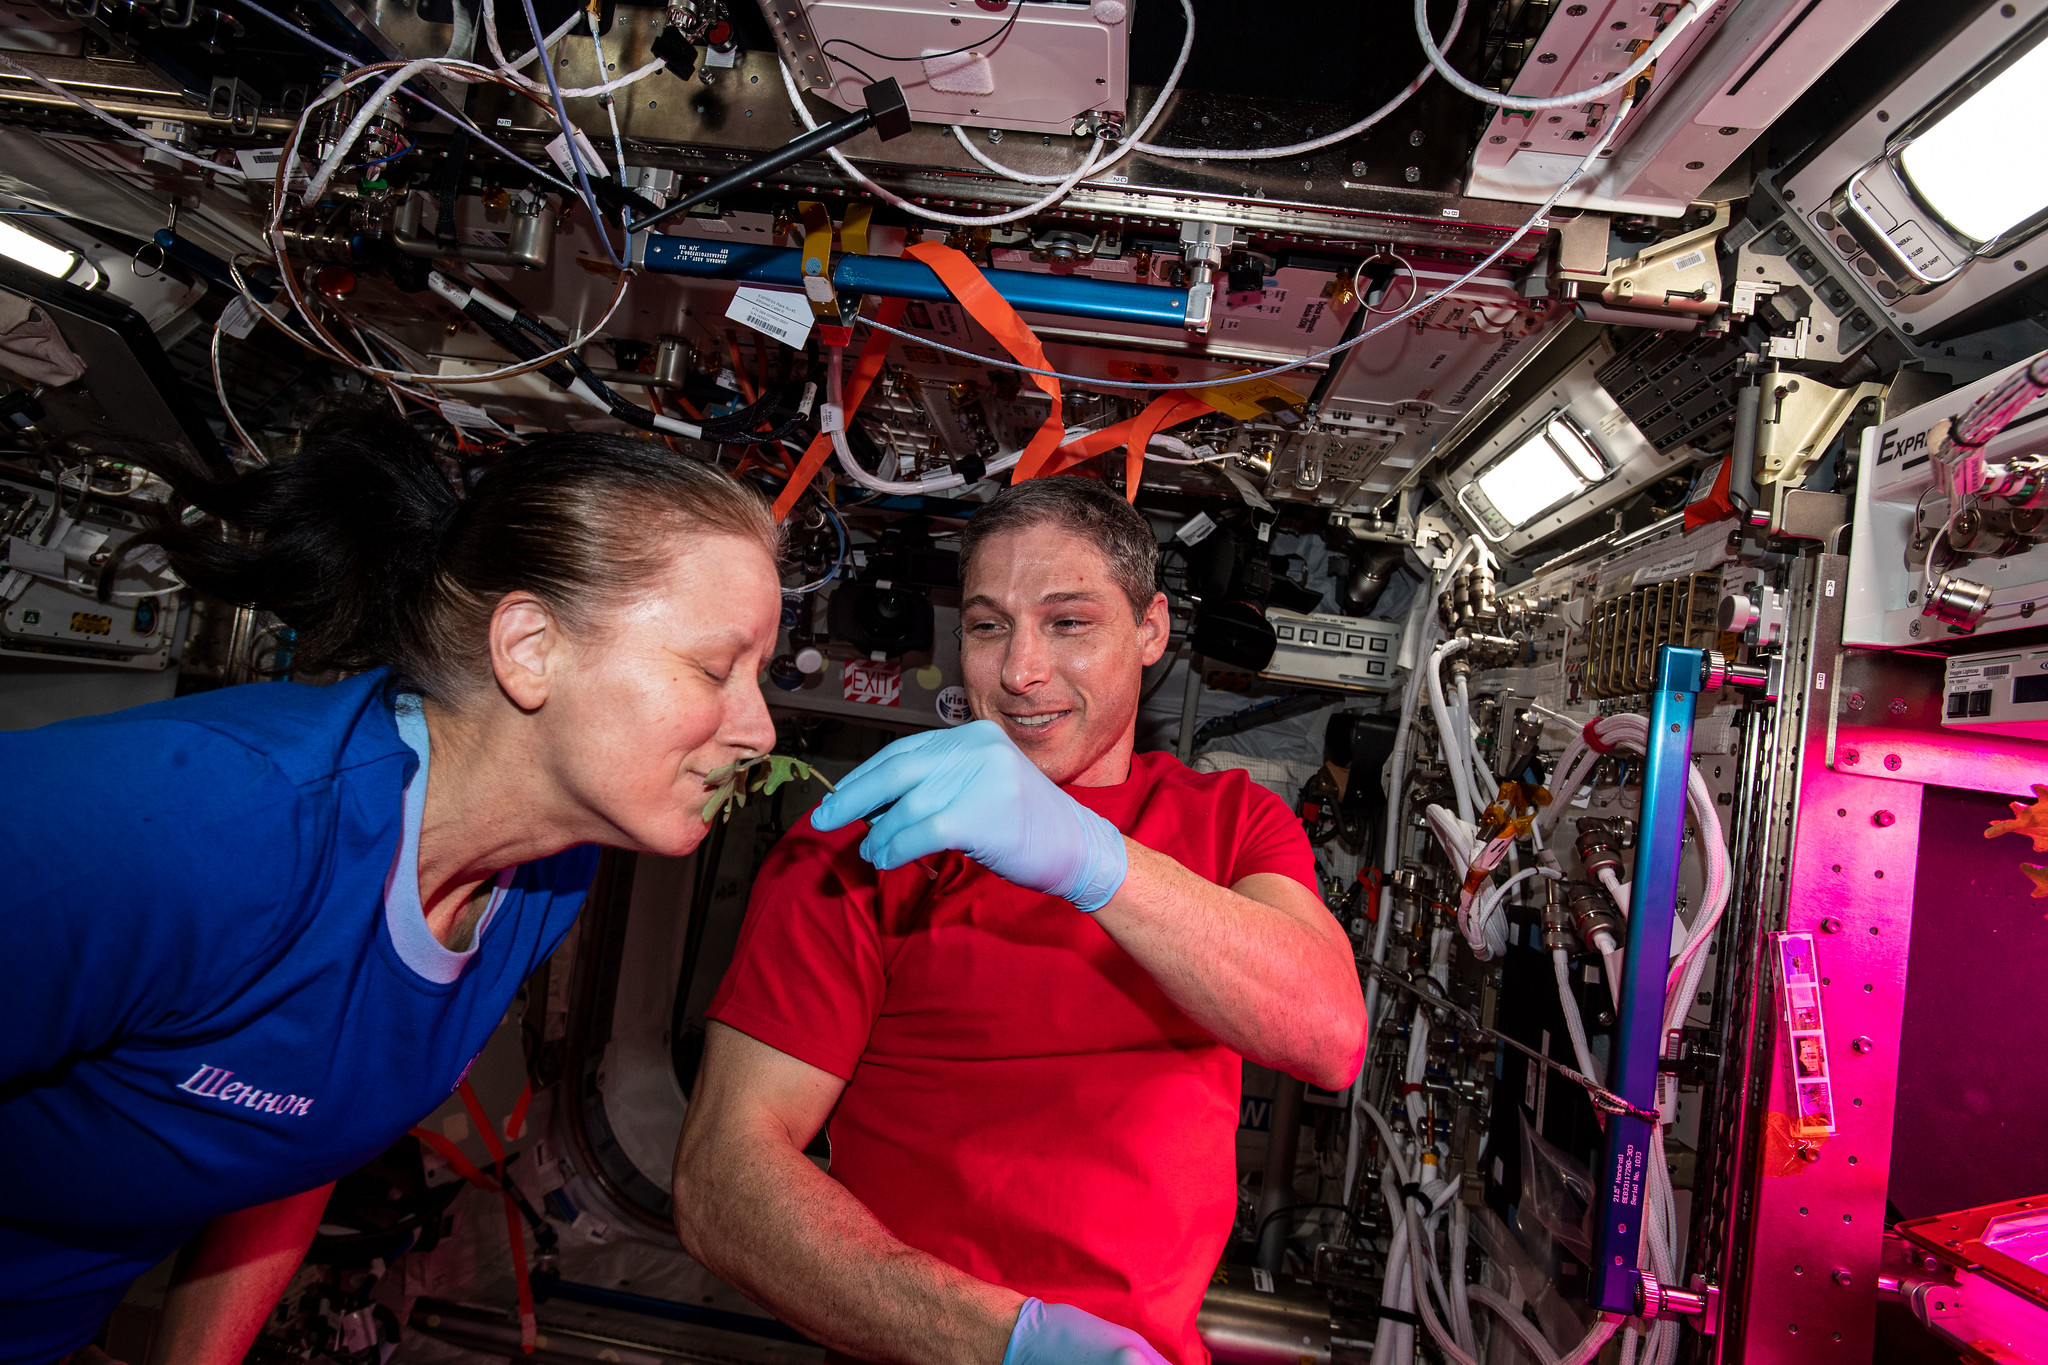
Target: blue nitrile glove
point(1060, 1334)
point(972, 790)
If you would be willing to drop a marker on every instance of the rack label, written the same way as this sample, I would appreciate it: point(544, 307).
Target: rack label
point(784, 316)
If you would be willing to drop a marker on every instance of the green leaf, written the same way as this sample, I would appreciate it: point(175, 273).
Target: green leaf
point(760, 775)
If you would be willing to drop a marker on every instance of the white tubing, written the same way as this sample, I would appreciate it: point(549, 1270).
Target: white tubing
point(1454, 754)
point(1574, 1025)
point(1532, 1339)
point(1687, 12)
point(577, 92)
point(1313, 144)
point(1461, 1297)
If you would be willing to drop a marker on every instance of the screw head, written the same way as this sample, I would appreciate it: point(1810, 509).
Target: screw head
point(1855, 701)
point(1899, 707)
point(1863, 1046)
point(1848, 757)
point(1893, 762)
point(1412, 174)
point(1831, 925)
point(1884, 819)
point(1415, 137)
point(1358, 168)
point(1841, 1277)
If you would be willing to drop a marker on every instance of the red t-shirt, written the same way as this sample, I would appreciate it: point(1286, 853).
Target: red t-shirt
point(1022, 1100)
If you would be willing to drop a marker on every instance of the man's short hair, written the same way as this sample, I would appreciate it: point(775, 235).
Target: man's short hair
point(1086, 507)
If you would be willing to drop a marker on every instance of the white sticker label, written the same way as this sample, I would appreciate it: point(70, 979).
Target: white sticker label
point(784, 316)
point(260, 163)
point(469, 416)
point(238, 319)
point(1691, 260)
point(558, 152)
point(1831, 587)
point(32, 558)
point(1820, 682)
point(152, 559)
point(726, 380)
point(1196, 529)
point(1262, 1280)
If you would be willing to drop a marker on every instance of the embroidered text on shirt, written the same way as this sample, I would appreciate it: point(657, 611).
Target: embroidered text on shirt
point(212, 1083)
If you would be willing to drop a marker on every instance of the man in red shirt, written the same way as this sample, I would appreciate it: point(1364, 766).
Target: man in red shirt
point(1019, 996)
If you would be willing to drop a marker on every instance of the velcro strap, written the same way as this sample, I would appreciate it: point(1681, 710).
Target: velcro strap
point(964, 280)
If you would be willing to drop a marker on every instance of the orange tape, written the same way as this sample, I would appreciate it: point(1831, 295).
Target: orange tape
point(966, 282)
point(889, 312)
point(1167, 410)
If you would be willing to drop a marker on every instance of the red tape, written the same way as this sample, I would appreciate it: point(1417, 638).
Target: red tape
point(522, 1275)
point(1593, 741)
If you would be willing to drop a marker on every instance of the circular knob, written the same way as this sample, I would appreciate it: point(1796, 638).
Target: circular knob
point(1738, 613)
point(1713, 671)
point(810, 659)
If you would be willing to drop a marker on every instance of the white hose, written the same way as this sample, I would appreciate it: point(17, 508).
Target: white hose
point(1687, 12)
point(1531, 1338)
point(1315, 144)
point(1092, 164)
point(1573, 1023)
point(1454, 753)
point(1461, 1295)
point(1616, 888)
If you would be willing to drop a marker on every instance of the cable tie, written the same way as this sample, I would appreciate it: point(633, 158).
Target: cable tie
point(1592, 738)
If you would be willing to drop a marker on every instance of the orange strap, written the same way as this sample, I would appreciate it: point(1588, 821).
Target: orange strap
point(522, 1276)
point(966, 282)
point(889, 312)
point(1167, 410)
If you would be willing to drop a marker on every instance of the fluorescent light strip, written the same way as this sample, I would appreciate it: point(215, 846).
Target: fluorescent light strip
point(35, 253)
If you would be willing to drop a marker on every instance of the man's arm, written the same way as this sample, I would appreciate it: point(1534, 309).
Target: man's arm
point(229, 1277)
point(1261, 965)
point(762, 1217)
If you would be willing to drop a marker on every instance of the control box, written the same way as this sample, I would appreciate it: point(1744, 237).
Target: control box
point(2002, 693)
point(1333, 651)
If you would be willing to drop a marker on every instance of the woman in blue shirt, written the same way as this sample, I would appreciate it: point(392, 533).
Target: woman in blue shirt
point(255, 934)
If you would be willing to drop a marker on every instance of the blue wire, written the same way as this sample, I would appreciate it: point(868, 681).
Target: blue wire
point(840, 527)
point(365, 165)
point(547, 68)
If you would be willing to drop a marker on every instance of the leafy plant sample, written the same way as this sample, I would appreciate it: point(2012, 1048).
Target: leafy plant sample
point(757, 776)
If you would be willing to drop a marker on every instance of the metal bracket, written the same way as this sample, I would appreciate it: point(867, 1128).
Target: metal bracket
point(1679, 275)
point(1202, 247)
point(1796, 420)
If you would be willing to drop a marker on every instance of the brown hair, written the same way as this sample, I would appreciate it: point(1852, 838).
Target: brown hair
point(361, 543)
point(1089, 509)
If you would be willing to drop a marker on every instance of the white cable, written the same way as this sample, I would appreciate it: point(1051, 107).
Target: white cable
point(1454, 753)
point(611, 108)
point(1313, 144)
point(1574, 1024)
point(1531, 1337)
point(1461, 1292)
point(317, 185)
point(1616, 888)
point(512, 69)
point(1687, 12)
point(226, 172)
point(1408, 311)
point(1090, 165)
point(1482, 776)
point(1059, 192)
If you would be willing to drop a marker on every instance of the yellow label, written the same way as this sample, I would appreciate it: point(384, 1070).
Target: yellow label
point(1251, 399)
point(85, 623)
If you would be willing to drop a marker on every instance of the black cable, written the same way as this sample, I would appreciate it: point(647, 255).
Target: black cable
point(1296, 1208)
point(1000, 34)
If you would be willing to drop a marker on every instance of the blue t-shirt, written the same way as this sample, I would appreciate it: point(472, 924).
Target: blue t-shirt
point(223, 988)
